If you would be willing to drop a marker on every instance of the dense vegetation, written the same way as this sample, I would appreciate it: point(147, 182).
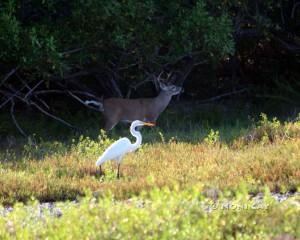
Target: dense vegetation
point(116, 48)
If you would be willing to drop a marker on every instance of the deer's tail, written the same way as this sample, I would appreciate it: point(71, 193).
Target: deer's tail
point(95, 104)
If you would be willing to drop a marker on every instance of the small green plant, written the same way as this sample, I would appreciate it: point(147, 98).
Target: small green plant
point(212, 138)
point(89, 147)
point(162, 138)
point(40, 149)
point(270, 128)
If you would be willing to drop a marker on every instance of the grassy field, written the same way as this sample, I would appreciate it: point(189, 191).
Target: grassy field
point(186, 159)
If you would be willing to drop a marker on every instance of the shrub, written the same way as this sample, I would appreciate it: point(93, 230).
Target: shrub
point(269, 131)
point(212, 138)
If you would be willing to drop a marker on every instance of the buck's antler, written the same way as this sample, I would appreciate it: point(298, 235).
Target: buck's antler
point(166, 84)
point(163, 82)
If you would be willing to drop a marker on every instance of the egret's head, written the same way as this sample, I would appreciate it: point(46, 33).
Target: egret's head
point(138, 123)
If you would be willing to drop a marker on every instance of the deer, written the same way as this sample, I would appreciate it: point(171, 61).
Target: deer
point(117, 110)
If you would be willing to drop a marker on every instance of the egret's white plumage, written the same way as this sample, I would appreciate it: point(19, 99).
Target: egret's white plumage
point(114, 151)
point(118, 149)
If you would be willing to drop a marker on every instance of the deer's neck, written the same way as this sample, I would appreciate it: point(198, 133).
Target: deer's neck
point(162, 100)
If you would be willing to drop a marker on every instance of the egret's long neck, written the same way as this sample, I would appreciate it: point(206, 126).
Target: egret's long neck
point(138, 137)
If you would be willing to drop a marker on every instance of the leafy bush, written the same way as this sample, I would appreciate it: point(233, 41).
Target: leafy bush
point(43, 149)
point(88, 147)
point(212, 138)
point(269, 131)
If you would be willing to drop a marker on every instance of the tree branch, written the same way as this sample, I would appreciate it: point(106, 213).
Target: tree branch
point(12, 113)
point(10, 96)
point(148, 79)
point(288, 46)
point(32, 89)
point(57, 91)
point(51, 115)
point(8, 75)
point(296, 5)
point(73, 51)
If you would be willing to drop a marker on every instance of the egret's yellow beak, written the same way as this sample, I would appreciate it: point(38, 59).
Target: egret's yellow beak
point(149, 124)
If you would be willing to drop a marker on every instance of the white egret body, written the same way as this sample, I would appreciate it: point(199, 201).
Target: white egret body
point(118, 149)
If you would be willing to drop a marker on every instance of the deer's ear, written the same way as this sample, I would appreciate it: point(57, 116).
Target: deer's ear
point(177, 90)
point(173, 88)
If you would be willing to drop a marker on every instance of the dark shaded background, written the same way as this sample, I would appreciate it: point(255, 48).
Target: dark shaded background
point(237, 50)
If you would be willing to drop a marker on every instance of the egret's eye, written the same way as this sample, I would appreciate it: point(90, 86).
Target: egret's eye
point(138, 126)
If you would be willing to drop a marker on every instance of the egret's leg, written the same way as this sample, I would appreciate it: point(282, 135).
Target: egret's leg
point(119, 159)
point(118, 174)
point(101, 173)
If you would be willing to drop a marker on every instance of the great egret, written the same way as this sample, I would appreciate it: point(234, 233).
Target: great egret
point(118, 149)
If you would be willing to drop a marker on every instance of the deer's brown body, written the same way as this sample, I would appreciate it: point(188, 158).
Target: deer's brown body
point(144, 109)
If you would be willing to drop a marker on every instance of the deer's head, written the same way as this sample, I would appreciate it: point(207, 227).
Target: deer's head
point(172, 76)
point(166, 83)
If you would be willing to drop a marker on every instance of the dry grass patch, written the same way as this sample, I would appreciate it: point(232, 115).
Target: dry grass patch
point(60, 177)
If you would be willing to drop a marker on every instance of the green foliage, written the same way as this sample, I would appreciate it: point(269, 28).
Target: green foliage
point(211, 33)
point(134, 38)
point(160, 214)
point(269, 129)
point(43, 149)
point(10, 29)
point(88, 147)
point(273, 130)
point(212, 138)
point(108, 26)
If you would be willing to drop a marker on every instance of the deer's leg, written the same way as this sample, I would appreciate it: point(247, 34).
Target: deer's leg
point(109, 125)
point(110, 120)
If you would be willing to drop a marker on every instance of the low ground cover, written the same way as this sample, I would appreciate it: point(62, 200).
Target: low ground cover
point(159, 214)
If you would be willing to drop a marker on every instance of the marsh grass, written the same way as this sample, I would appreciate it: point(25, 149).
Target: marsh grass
point(57, 170)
